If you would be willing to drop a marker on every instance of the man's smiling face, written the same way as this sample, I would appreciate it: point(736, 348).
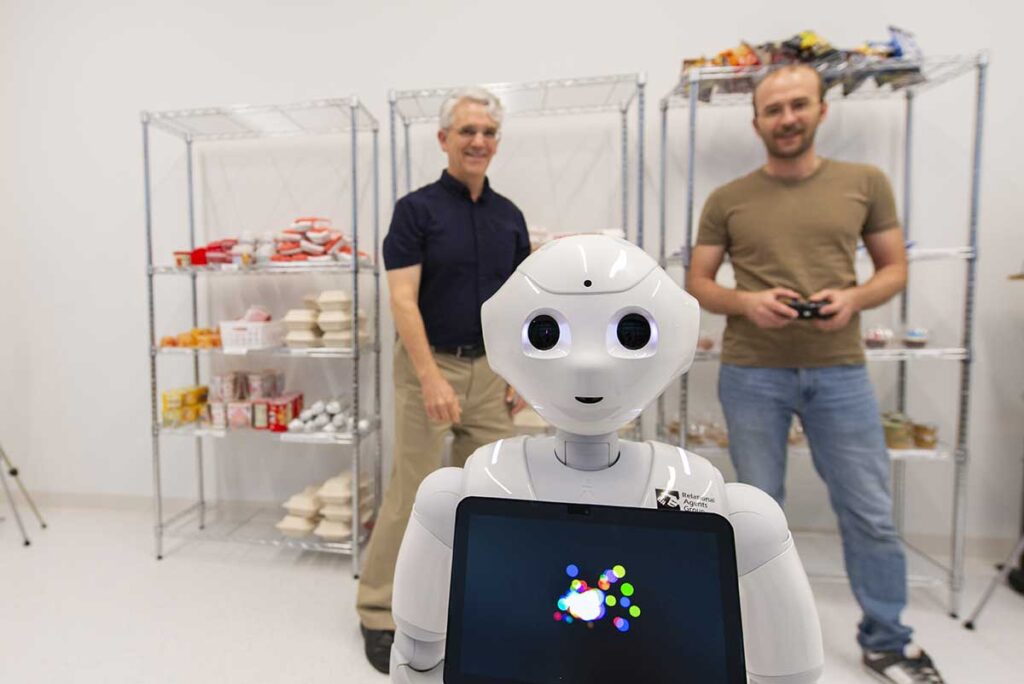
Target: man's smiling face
point(788, 110)
point(470, 142)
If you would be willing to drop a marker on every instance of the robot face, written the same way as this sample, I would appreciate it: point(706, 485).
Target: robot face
point(589, 330)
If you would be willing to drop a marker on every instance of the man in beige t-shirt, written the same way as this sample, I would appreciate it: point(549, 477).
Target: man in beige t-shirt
point(791, 230)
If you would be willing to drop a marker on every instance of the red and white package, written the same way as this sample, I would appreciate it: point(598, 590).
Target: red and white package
point(319, 236)
point(256, 314)
point(311, 248)
point(289, 248)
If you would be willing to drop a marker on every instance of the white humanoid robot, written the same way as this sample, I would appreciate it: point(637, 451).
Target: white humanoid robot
point(590, 330)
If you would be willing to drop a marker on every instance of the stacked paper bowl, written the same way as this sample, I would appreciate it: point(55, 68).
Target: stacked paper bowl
point(302, 329)
point(335, 320)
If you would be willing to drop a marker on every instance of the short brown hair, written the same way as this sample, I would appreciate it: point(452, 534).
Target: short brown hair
point(773, 71)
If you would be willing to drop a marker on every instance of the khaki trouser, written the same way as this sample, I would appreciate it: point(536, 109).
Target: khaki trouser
point(419, 442)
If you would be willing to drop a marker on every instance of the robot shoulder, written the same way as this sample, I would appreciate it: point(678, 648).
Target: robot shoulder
point(499, 470)
point(685, 481)
point(436, 500)
point(760, 526)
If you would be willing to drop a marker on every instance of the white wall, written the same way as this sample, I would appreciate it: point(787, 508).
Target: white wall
point(74, 409)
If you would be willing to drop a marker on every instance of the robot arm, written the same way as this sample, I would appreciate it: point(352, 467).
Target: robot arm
point(422, 576)
point(782, 635)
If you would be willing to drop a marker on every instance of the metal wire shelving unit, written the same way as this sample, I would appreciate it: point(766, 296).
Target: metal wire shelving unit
point(329, 117)
point(716, 87)
point(537, 99)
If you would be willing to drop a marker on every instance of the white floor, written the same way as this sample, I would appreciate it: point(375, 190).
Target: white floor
point(87, 602)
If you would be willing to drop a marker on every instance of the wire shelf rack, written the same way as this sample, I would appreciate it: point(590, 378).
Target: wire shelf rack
point(239, 122)
point(732, 86)
point(535, 98)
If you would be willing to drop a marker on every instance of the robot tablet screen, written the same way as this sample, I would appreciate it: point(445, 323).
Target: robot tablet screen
point(552, 593)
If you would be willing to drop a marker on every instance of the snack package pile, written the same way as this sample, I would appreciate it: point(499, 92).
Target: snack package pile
point(183, 405)
point(196, 338)
point(309, 239)
point(883, 61)
point(254, 400)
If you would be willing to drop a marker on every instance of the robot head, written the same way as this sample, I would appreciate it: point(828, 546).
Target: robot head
point(590, 330)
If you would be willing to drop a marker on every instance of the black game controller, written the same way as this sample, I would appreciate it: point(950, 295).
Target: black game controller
point(808, 310)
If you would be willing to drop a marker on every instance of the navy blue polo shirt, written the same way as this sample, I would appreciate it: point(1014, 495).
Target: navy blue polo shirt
point(467, 249)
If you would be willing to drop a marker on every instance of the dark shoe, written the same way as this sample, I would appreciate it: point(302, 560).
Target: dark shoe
point(908, 666)
point(378, 647)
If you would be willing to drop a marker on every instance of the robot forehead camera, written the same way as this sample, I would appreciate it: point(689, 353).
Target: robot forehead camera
point(590, 330)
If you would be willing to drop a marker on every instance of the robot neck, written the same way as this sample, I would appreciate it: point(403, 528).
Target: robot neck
point(587, 452)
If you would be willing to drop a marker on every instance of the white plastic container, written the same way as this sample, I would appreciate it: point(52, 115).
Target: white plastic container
point(302, 339)
point(294, 526)
point(333, 531)
point(237, 337)
point(335, 300)
point(301, 319)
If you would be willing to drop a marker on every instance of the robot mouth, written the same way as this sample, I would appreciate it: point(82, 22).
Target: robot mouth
point(589, 400)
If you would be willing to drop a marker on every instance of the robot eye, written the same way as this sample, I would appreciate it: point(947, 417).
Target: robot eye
point(633, 331)
point(543, 332)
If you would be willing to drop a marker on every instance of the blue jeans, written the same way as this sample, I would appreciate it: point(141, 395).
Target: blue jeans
point(840, 416)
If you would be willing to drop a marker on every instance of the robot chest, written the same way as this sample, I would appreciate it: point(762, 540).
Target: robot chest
point(670, 481)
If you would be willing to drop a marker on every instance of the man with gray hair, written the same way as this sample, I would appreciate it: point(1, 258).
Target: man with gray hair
point(450, 246)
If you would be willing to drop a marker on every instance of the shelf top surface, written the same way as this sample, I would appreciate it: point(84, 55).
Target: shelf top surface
point(936, 71)
point(238, 122)
point(536, 98)
point(259, 269)
point(893, 353)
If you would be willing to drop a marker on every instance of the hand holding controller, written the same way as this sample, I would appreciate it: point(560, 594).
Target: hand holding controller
point(807, 310)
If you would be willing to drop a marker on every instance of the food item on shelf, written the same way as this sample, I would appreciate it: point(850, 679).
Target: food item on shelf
point(333, 531)
point(696, 433)
point(182, 259)
point(302, 339)
point(301, 319)
point(337, 321)
point(218, 412)
point(891, 63)
point(305, 504)
point(335, 300)
point(183, 405)
point(311, 248)
point(261, 414)
point(256, 314)
point(196, 338)
point(239, 336)
point(336, 490)
point(239, 414)
point(899, 433)
point(915, 338)
point(877, 338)
point(227, 387)
point(294, 526)
point(329, 416)
point(926, 435)
point(283, 411)
point(263, 384)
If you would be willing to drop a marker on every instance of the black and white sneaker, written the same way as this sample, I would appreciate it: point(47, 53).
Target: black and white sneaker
point(910, 666)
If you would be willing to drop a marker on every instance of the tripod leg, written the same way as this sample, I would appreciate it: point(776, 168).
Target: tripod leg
point(17, 517)
point(24, 492)
point(1001, 577)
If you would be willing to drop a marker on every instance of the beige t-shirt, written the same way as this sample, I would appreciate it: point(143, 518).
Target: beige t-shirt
point(800, 235)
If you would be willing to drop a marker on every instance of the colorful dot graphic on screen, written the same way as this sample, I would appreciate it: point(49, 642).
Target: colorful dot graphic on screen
point(589, 604)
